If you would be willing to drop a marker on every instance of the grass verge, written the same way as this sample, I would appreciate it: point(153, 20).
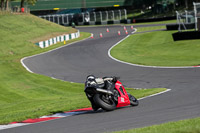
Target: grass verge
point(183, 126)
point(25, 95)
point(157, 49)
point(143, 29)
point(155, 23)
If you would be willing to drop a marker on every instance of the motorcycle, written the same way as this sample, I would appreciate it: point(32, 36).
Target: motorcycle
point(107, 93)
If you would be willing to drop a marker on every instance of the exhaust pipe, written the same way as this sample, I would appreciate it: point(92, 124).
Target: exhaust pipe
point(104, 91)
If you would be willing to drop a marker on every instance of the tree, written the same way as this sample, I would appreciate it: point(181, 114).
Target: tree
point(142, 4)
point(7, 4)
point(22, 3)
point(2, 4)
point(186, 4)
point(32, 2)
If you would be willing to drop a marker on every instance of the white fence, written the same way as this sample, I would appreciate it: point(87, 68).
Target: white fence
point(87, 17)
point(197, 15)
point(186, 16)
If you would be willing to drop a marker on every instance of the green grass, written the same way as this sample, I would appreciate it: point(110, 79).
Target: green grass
point(141, 29)
point(154, 23)
point(25, 95)
point(157, 49)
point(183, 126)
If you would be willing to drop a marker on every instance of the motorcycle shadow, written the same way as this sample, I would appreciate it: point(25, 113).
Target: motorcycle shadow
point(100, 110)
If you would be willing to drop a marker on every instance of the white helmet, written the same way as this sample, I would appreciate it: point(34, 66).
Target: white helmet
point(91, 78)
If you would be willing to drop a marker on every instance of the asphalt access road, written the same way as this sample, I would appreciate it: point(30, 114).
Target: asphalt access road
point(74, 62)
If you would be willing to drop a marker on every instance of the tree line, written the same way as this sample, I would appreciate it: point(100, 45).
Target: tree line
point(143, 4)
point(136, 4)
point(161, 6)
point(4, 5)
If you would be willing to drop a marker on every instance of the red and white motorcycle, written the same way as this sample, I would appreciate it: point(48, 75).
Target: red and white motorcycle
point(107, 93)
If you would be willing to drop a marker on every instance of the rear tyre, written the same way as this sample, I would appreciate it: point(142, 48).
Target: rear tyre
point(133, 100)
point(105, 103)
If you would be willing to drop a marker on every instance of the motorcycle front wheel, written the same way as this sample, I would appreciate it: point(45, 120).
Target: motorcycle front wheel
point(133, 100)
point(104, 102)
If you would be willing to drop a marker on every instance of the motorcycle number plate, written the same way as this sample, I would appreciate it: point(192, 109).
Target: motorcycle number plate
point(122, 99)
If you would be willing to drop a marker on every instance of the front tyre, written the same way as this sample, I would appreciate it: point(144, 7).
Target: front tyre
point(104, 102)
point(133, 100)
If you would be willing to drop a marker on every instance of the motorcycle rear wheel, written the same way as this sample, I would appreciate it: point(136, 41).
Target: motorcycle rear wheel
point(105, 104)
point(133, 100)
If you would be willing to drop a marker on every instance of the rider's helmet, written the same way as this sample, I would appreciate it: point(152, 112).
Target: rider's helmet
point(91, 78)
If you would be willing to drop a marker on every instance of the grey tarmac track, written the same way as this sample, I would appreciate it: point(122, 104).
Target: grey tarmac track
point(74, 62)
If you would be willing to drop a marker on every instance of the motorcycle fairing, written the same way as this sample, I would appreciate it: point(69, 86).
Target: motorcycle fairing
point(123, 99)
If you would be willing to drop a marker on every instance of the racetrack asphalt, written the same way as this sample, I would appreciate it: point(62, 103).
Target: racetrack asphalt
point(74, 62)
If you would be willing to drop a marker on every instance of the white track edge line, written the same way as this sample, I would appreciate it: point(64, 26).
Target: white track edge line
point(2, 127)
point(47, 52)
point(155, 94)
point(141, 65)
